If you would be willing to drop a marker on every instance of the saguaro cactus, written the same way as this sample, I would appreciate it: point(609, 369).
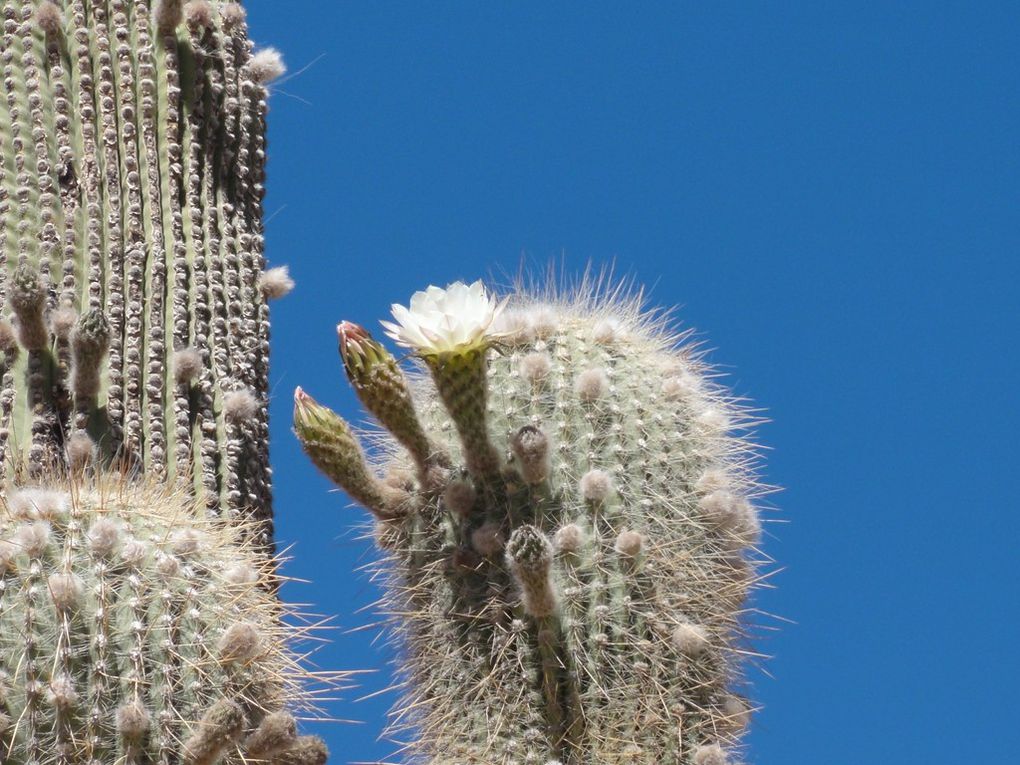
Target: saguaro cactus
point(132, 282)
point(138, 616)
point(568, 530)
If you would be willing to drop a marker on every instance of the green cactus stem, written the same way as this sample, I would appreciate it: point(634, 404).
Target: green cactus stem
point(132, 272)
point(134, 629)
point(582, 600)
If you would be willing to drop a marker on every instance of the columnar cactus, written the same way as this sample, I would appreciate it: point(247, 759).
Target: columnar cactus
point(134, 629)
point(568, 530)
point(138, 616)
point(133, 296)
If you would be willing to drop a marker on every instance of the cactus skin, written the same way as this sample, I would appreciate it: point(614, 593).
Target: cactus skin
point(134, 629)
point(583, 605)
point(132, 156)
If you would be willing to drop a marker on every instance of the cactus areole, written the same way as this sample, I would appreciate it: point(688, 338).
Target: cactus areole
point(567, 527)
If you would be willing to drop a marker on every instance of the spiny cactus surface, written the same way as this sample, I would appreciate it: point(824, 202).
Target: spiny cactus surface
point(136, 630)
point(133, 315)
point(568, 526)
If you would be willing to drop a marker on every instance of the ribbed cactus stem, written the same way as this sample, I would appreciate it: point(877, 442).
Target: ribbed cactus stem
point(573, 590)
point(132, 156)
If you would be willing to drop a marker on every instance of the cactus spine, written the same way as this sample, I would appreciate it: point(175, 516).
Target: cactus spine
point(132, 153)
point(138, 616)
point(579, 601)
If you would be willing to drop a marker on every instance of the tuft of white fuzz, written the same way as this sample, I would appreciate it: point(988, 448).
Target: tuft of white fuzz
point(198, 13)
point(543, 321)
point(66, 590)
point(711, 480)
point(35, 504)
point(61, 693)
point(682, 386)
point(629, 544)
point(732, 513)
point(690, 639)
point(187, 365)
point(133, 720)
point(104, 538)
point(266, 65)
point(240, 406)
point(8, 552)
point(241, 574)
point(737, 712)
point(239, 643)
point(168, 14)
point(607, 331)
point(457, 319)
point(712, 421)
point(62, 321)
point(591, 385)
point(487, 539)
point(460, 496)
point(49, 18)
point(8, 338)
point(276, 734)
point(33, 538)
point(133, 552)
point(569, 539)
point(512, 327)
point(276, 282)
point(530, 447)
point(710, 754)
point(535, 367)
point(168, 566)
point(232, 15)
point(186, 541)
point(81, 450)
point(596, 485)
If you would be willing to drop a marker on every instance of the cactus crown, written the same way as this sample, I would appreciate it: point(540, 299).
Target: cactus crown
point(569, 547)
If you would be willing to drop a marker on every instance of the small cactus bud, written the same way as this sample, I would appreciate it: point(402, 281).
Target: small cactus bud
point(591, 385)
point(276, 733)
point(309, 750)
point(61, 693)
point(276, 282)
point(187, 365)
point(535, 367)
point(596, 486)
point(66, 591)
point(711, 754)
point(690, 639)
point(133, 721)
point(232, 16)
point(89, 342)
point(569, 539)
point(327, 439)
point(531, 448)
point(736, 711)
point(240, 406)
point(38, 504)
point(33, 538)
point(104, 537)
point(81, 450)
point(543, 321)
point(239, 644)
point(50, 18)
point(218, 729)
point(8, 340)
point(168, 14)
point(460, 496)
point(266, 65)
point(487, 539)
point(62, 322)
point(28, 300)
point(629, 544)
point(529, 555)
point(198, 14)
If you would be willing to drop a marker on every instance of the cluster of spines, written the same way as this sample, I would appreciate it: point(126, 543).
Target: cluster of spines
point(134, 629)
point(583, 599)
point(132, 155)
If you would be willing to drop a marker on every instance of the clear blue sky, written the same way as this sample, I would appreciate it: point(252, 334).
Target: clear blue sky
point(830, 193)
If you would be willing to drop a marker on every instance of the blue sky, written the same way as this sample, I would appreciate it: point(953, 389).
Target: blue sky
point(829, 193)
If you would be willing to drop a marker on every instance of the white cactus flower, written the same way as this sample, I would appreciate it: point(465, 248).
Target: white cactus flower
point(454, 319)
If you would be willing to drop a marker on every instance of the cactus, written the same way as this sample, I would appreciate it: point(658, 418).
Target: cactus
point(138, 616)
point(133, 290)
point(567, 529)
point(134, 629)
